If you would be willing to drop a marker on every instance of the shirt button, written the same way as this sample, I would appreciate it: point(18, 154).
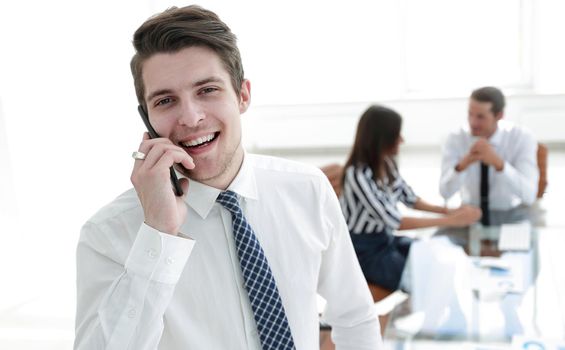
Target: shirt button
point(170, 261)
point(132, 313)
point(151, 253)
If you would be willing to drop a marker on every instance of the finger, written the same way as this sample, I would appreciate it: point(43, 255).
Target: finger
point(158, 152)
point(149, 159)
point(155, 148)
point(172, 156)
point(140, 149)
point(147, 144)
point(188, 162)
point(145, 147)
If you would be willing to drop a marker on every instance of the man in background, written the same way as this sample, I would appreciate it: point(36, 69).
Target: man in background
point(490, 162)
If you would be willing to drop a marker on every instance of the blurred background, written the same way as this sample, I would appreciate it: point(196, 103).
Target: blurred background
point(68, 119)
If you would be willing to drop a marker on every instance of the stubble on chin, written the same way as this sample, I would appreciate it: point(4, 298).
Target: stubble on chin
point(225, 165)
point(196, 175)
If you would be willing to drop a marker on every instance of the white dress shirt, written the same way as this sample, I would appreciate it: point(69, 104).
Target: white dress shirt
point(516, 184)
point(142, 289)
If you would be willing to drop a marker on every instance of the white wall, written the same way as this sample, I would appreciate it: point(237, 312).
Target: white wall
point(7, 196)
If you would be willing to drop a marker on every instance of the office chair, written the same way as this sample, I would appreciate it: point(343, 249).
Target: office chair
point(542, 165)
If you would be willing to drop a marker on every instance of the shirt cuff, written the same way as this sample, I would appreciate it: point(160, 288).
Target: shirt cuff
point(158, 256)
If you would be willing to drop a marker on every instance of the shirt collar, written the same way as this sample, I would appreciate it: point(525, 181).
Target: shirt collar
point(201, 197)
point(244, 182)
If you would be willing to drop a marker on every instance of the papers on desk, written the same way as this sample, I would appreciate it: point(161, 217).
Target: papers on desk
point(495, 277)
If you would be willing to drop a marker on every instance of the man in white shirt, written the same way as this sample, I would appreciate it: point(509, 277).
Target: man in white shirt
point(505, 151)
point(160, 271)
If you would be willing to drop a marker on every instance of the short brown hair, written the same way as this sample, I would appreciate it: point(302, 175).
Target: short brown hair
point(178, 28)
point(492, 95)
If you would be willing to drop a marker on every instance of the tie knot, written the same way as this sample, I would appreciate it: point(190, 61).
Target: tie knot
point(228, 199)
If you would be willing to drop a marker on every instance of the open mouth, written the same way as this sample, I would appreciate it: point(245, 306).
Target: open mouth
point(200, 142)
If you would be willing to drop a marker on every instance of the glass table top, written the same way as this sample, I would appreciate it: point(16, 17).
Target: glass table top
point(463, 291)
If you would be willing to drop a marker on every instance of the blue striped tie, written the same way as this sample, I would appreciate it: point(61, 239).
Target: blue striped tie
point(272, 324)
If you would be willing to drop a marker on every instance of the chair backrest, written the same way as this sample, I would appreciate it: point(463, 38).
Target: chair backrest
point(542, 165)
point(334, 172)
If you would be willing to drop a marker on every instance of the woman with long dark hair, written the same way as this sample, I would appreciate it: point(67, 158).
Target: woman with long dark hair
point(372, 187)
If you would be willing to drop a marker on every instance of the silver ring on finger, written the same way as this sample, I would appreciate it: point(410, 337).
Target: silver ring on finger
point(138, 155)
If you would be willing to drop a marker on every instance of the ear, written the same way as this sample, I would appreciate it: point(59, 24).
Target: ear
point(244, 96)
point(499, 115)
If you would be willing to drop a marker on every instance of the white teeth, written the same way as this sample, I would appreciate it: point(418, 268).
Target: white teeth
point(198, 141)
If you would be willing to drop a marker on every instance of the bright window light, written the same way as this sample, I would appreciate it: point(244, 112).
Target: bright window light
point(459, 45)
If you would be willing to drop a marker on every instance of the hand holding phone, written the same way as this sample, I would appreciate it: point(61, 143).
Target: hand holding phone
point(153, 134)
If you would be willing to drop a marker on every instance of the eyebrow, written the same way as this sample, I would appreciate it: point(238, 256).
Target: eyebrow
point(205, 81)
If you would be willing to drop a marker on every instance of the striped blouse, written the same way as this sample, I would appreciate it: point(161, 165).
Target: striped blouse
point(369, 206)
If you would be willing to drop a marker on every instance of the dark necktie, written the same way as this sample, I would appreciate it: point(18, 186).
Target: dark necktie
point(485, 219)
point(272, 324)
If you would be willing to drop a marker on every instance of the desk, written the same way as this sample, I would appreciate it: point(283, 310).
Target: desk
point(449, 306)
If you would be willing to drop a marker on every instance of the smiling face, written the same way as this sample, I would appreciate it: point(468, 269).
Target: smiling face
point(190, 100)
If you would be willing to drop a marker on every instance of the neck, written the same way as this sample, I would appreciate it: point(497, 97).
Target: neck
point(491, 134)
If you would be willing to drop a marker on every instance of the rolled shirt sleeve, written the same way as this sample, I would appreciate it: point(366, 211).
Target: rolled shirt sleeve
point(407, 194)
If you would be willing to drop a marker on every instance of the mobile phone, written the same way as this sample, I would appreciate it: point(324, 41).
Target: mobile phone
point(153, 134)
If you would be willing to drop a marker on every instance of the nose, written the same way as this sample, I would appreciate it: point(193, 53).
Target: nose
point(191, 114)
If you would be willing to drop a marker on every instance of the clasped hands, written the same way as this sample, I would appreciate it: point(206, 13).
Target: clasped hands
point(481, 151)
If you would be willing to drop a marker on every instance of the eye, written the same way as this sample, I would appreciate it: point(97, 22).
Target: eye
point(208, 90)
point(164, 101)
